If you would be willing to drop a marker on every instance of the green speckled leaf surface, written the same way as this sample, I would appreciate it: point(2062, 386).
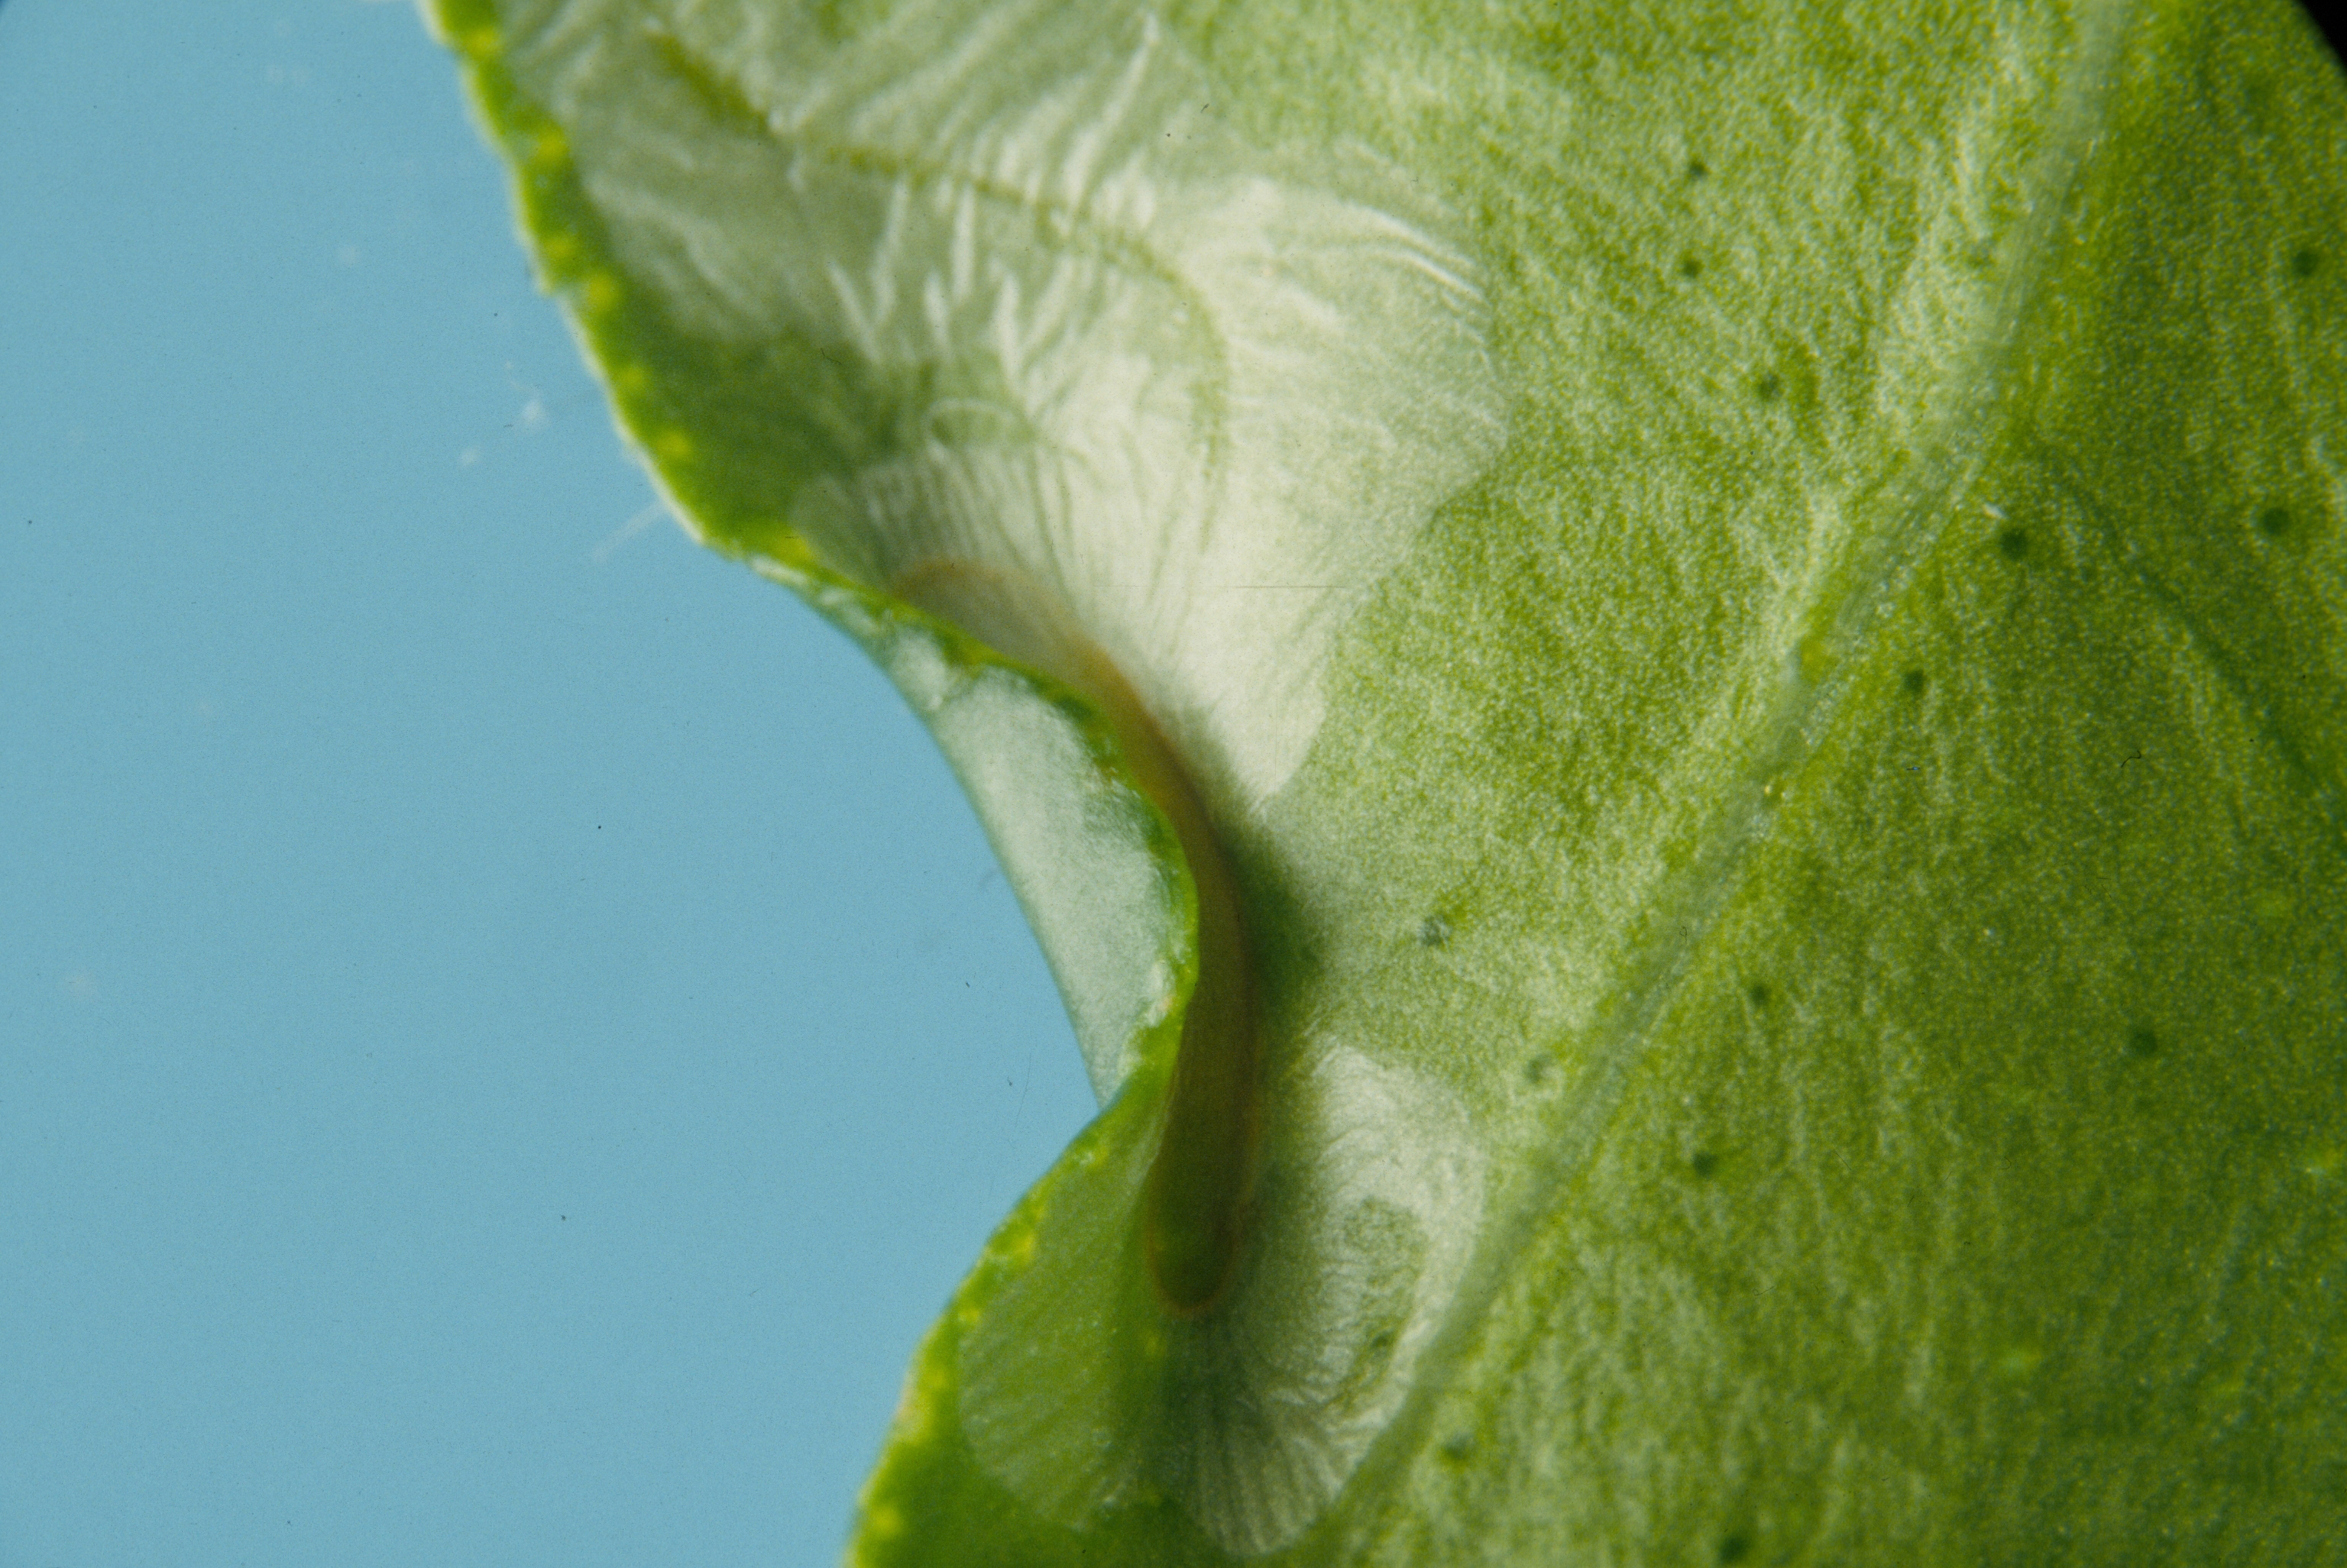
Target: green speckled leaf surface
point(1755, 596)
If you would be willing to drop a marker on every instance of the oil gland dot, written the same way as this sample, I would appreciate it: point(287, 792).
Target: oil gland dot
point(1914, 682)
point(2274, 521)
point(2018, 1362)
point(2142, 1044)
point(2013, 543)
point(2305, 263)
point(599, 293)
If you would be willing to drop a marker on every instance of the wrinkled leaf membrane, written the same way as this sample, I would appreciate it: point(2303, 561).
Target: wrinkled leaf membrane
point(1755, 594)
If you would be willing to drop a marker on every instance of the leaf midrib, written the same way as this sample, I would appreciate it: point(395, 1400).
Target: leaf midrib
point(1935, 486)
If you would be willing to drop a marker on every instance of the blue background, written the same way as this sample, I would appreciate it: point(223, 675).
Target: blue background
point(508, 1031)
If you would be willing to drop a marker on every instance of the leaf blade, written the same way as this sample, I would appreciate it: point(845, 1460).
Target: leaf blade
point(1618, 725)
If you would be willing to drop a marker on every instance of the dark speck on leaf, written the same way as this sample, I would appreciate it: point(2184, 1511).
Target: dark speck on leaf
point(1735, 1548)
point(1704, 1164)
point(2013, 543)
point(1690, 266)
point(1914, 682)
point(1768, 387)
point(2305, 262)
point(1433, 932)
point(1759, 993)
point(1536, 1071)
point(1457, 1447)
point(2142, 1044)
point(2274, 521)
point(1697, 169)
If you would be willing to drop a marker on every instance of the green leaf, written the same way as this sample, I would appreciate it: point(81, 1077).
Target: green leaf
point(1669, 685)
